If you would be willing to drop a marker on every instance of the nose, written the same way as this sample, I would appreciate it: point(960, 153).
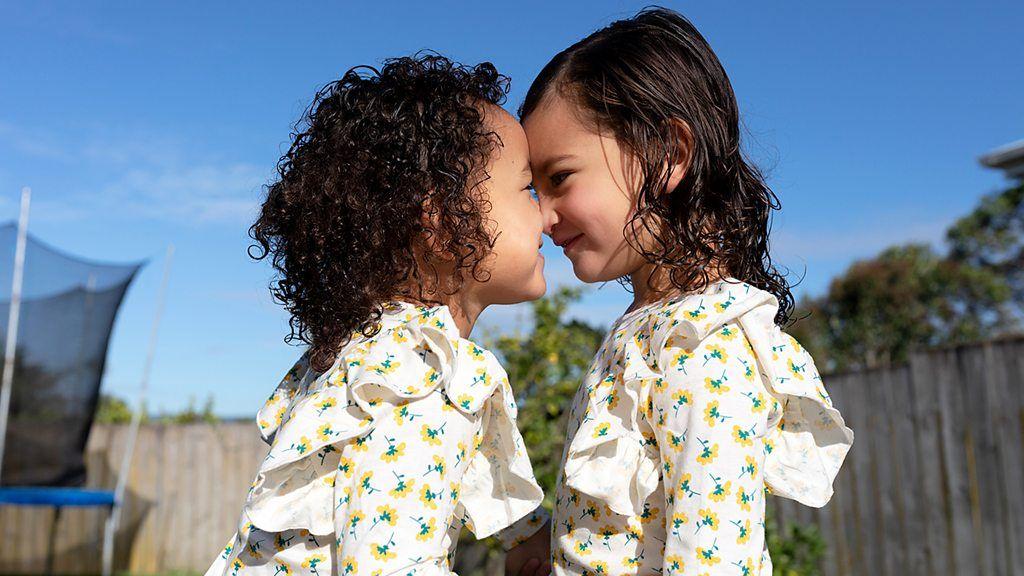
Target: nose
point(548, 213)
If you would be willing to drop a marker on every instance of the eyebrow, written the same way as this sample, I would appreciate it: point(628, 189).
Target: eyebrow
point(546, 166)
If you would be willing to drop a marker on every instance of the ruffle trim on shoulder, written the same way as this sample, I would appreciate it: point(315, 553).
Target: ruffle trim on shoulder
point(311, 416)
point(608, 459)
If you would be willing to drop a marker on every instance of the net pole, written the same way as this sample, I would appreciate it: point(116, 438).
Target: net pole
point(12, 321)
point(114, 519)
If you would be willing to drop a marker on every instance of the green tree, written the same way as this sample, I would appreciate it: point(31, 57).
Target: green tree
point(113, 410)
point(191, 415)
point(992, 237)
point(546, 368)
point(907, 297)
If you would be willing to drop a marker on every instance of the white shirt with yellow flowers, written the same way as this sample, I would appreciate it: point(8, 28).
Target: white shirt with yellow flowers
point(376, 464)
point(693, 410)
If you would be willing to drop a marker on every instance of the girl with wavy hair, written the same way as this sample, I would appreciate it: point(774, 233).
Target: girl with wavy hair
point(697, 404)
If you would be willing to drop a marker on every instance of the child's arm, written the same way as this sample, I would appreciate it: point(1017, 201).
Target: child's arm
point(708, 415)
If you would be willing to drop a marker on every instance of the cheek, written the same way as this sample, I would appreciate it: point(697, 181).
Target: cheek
point(599, 215)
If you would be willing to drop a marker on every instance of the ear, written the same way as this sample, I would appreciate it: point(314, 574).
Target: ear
point(682, 151)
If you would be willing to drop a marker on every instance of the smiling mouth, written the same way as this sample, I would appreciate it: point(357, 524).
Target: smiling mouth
point(571, 242)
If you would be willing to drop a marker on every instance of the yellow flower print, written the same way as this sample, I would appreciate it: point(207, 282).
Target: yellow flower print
point(678, 520)
point(723, 306)
point(427, 529)
point(749, 468)
point(430, 378)
point(365, 485)
point(674, 564)
point(591, 510)
point(402, 486)
point(437, 466)
point(386, 514)
point(599, 567)
point(721, 491)
point(324, 405)
point(716, 385)
point(748, 371)
point(679, 359)
point(649, 513)
point(346, 466)
point(797, 370)
point(743, 437)
point(707, 555)
point(302, 446)
point(349, 565)
point(464, 400)
point(313, 561)
point(728, 332)
point(394, 451)
point(712, 415)
point(429, 498)
point(697, 313)
point(432, 436)
point(387, 366)
point(400, 335)
point(324, 432)
point(708, 452)
point(676, 442)
point(383, 551)
point(282, 568)
point(715, 352)
point(482, 377)
point(602, 430)
point(744, 498)
point(744, 534)
point(757, 402)
point(684, 486)
point(583, 548)
point(681, 398)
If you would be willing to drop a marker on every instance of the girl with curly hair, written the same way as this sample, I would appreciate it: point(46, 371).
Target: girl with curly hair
point(697, 404)
point(402, 209)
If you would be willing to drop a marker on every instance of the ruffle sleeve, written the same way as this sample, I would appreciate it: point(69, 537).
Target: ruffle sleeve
point(610, 459)
point(302, 482)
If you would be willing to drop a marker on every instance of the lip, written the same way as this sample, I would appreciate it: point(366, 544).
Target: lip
point(570, 242)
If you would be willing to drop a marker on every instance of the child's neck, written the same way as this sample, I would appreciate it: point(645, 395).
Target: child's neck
point(465, 310)
point(652, 283)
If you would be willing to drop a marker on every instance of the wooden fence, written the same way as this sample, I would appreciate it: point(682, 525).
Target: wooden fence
point(184, 495)
point(933, 485)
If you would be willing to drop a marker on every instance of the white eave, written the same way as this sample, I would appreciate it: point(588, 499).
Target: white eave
point(1009, 159)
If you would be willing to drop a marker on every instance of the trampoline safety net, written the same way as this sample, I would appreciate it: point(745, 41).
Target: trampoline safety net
point(68, 307)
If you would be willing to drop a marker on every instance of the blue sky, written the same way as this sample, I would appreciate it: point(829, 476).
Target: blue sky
point(143, 124)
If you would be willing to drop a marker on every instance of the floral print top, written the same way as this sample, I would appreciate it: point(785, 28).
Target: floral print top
point(376, 464)
point(693, 410)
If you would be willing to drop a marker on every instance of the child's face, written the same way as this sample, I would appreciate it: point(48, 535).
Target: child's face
point(586, 184)
point(516, 265)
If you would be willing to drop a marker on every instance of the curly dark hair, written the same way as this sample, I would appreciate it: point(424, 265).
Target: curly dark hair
point(641, 78)
point(378, 189)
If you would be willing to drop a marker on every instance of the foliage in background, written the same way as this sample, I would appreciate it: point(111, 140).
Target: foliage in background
point(911, 297)
point(546, 368)
point(114, 410)
point(795, 550)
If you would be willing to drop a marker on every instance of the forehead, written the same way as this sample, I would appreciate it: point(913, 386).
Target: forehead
point(554, 123)
point(508, 129)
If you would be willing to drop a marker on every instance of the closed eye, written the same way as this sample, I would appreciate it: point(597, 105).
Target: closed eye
point(559, 177)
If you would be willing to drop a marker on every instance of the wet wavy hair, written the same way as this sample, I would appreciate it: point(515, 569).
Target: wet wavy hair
point(641, 78)
point(377, 188)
